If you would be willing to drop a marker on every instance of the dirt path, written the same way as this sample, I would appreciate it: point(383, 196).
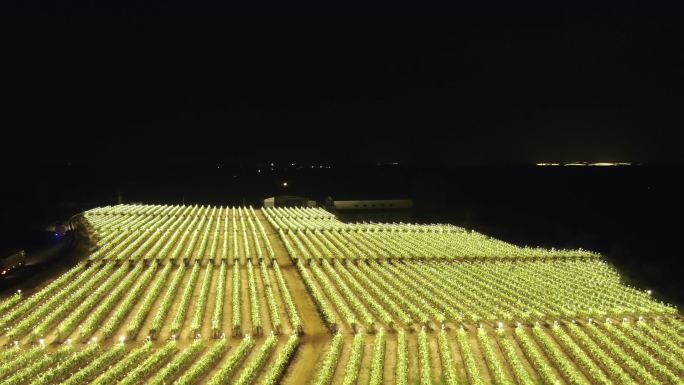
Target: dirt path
point(390, 358)
point(316, 336)
point(414, 368)
point(364, 370)
point(479, 356)
point(205, 331)
point(285, 319)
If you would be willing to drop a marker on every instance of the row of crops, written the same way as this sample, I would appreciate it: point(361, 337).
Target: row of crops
point(178, 233)
point(627, 352)
point(399, 240)
point(247, 361)
point(169, 294)
point(367, 292)
point(218, 295)
point(107, 300)
point(423, 308)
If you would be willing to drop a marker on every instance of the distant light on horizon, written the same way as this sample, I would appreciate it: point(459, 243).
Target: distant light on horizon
point(600, 164)
point(596, 164)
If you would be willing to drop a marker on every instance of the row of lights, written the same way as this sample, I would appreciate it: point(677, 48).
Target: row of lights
point(10, 268)
point(500, 325)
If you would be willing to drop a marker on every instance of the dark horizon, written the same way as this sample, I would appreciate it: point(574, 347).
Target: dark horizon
point(626, 213)
point(480, 90)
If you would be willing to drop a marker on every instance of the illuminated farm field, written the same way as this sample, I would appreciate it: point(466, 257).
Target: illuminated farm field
point(236, 295)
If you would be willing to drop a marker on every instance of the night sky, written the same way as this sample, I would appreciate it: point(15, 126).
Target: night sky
point(475, 88)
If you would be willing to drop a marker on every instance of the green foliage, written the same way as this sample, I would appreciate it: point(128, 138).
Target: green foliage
point(329, 364)
point(284, 357)
point(227, 369)
point(377, 359)
point(250, 371)
point(351, 372)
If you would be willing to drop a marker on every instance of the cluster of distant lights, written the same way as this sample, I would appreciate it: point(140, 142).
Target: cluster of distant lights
point(272, 166)
point(598, 164)
point(7, 270)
